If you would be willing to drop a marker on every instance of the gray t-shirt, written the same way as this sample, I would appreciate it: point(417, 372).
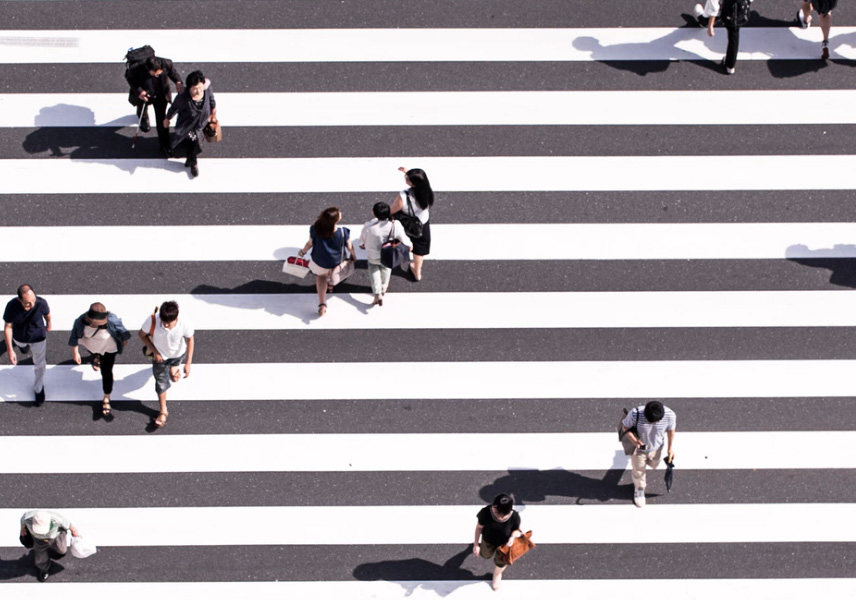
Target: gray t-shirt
point(653, 435)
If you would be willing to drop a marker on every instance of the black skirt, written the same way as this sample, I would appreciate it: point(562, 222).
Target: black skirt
point(422, 245)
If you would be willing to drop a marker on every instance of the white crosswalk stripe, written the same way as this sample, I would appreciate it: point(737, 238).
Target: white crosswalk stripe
point(765, 443)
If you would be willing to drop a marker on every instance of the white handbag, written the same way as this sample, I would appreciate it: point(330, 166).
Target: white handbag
point(298, 267)
point(81, 548)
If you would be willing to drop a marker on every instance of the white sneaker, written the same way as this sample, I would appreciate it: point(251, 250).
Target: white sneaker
point(805, 22)
point(730, 70)
point(639, 498)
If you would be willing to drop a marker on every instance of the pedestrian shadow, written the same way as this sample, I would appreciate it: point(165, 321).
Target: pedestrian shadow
point(533, 486)
point(419, 574)
point(16, 568)
point(840, 260)
point(86, 141)
point(119, 400)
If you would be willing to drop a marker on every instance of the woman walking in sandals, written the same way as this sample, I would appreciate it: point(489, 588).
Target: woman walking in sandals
point(168, 340)
point(411, 205)
point(104, 336)
point(498, 524)
point(328, 242)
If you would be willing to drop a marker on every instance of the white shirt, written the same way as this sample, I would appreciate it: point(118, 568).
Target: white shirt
point(421, 214)
point(170, 343)
point(375, 233)
point(97, 341)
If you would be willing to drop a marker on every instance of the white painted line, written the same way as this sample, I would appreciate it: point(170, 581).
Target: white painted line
point(760, 107)
point(451, 380)
point(418, 452)
point(428, 45)
point(555, 241)
point(551, 524)
point(470, 589)
point(512, 174)
point(495, 310)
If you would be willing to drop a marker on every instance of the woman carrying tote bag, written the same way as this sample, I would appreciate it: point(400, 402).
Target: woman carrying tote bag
point(377, 233)
point(411, 208)
point(328, 242)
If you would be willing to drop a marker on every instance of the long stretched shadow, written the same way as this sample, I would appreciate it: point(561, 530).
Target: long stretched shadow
point(23, 566)
point(839, 260)
point(537, 486)
point(417, 573)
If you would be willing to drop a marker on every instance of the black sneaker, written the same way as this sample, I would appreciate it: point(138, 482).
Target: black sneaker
point(40, 396)
point(144, 124)
point(194, 170)
point(42, 576)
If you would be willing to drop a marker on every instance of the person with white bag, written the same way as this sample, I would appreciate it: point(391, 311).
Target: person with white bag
point(45, 530)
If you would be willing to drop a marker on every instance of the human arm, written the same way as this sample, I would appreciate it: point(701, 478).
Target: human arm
point(352, 256)
point(190, 345)
point(173, 74)
point(476, 539)
point(670, 436)
point(48, 323)
point(123, 334)
point(305, 248)
point(10, 350)
point(396, 205)
point(514, 535)
point(213, 106)
point(73, 530)
point(147, 342)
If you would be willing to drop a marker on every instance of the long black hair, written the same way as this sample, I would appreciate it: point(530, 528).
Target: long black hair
point(421, 188)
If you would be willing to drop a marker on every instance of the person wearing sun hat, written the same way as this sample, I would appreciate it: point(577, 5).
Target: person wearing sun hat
point(47, 530)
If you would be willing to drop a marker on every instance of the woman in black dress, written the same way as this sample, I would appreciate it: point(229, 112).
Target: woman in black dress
point(498, 524)
point(415, 202)
point(195, 107)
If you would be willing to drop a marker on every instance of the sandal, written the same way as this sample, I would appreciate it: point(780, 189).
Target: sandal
point(322, 309)
point(161, 419)
point(105, 407)
point(96, 362)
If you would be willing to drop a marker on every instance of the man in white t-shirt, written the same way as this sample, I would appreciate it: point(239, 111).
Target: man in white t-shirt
point(168, 340)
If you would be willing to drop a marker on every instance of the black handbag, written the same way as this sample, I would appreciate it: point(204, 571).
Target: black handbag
point(26, 540)
point(393, 253)
point(629, 446)
point(412, 225)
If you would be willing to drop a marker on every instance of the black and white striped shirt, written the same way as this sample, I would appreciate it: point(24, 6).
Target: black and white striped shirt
point(653, 435)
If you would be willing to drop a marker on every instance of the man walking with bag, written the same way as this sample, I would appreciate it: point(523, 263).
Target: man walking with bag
point(654, 424)
point(28, 320)
point(149, 83)
point(45, 530)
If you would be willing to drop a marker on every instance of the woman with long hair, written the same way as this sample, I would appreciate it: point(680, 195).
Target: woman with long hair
point(415, 201)
point(327, 241)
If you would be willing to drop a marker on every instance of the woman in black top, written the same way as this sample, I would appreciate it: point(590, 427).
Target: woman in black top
point(195, 108)
point(498, 524)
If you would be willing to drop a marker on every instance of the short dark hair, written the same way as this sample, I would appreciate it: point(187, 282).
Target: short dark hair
point(503, 504)
point(23, 289)
point(155, 63)
point(169, 311)
point(381, 210)
point(654, 411)
point(194, 78)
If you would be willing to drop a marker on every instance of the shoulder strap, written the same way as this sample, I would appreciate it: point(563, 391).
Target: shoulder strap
point(152, 328)
point(32, 312)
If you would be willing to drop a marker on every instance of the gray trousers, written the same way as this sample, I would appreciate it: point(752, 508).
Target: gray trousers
point(39, 350)
point(41, 547)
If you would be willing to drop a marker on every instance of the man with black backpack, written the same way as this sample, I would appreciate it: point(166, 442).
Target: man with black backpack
point(734, 14)
point(149, 75)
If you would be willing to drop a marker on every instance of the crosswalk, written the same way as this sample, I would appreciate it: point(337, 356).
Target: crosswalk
point(615, 223)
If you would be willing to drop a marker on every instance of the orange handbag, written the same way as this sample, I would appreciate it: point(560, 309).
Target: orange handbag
point(521, 546)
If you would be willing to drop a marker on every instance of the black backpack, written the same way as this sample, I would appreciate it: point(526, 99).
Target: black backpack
point(736, 12)
point(136, 57)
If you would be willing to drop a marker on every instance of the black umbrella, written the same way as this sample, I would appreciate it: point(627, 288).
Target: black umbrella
point(670, 474)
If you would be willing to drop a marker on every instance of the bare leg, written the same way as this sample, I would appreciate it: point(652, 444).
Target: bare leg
point(825, 25)
point(161, 418)
point(497, 577)
point(416, 266)
point(806, 9)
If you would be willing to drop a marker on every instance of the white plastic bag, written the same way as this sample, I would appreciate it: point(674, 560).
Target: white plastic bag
point(81, 548)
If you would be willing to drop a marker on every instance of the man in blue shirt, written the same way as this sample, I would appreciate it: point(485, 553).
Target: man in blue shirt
point(28, 320)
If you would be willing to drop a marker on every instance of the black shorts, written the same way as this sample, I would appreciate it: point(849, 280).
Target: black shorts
point(824, 7)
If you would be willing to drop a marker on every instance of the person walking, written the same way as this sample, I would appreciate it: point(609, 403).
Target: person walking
point(497, 524)
point(415, 201)
point(149, 83)
point(655, 424)
point(169, 340)
point(195, 107)
point(104, 336)
point(46, 530)
point(327, 241)
point(27, 322)
point(374, 235)
point(824, 9)
point(733, 14)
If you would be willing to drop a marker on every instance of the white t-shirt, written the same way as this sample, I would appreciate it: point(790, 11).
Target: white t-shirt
point(374, 236)
point(97, 341)
point(170, 343)
point(421, 214)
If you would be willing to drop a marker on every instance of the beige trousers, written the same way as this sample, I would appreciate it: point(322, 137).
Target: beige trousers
point(639, 461)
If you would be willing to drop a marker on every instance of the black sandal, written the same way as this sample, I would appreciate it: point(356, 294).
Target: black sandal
point(96, 362)
point(105, 408)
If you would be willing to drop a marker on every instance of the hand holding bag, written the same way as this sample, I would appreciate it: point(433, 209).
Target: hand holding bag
point(212, 132)
point(521, 546)
point(296, 266)
point(345, 268)
point(81, 548)
point(393, 252)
